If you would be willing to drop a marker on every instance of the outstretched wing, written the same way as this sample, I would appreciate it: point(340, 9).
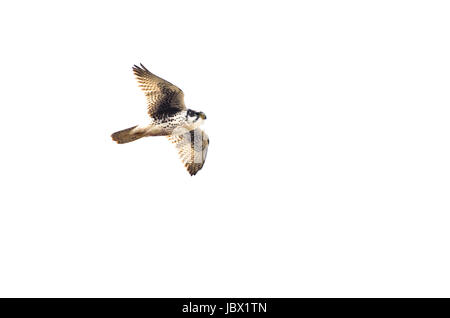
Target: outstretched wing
point(163, 98)
point(192, 147)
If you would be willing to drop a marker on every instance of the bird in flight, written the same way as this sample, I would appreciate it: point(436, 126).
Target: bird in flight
point(169, 117)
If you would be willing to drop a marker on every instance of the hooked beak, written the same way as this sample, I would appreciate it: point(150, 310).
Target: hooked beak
point(202, 116)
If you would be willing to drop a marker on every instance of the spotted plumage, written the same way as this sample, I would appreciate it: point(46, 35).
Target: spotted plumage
point(169, 117)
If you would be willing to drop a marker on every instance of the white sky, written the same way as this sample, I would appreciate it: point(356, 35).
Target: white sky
point(327, 172)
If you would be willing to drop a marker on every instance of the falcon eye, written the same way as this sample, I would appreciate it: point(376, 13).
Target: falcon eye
point(191, 113)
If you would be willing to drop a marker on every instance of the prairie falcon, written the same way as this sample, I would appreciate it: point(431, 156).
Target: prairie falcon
point(169, 117)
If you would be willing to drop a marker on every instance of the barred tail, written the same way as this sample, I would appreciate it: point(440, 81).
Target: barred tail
point(126, 135)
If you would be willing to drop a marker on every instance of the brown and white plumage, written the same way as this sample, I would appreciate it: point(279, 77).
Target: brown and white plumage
point(192, 147)
point(162, 96)
point(169, 117)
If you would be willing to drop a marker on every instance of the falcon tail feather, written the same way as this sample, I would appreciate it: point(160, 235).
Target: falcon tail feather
point(126, 135)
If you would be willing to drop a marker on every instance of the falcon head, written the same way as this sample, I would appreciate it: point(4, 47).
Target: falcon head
point(195, 117)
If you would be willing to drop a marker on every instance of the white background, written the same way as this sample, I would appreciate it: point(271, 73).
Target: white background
point(328, 168)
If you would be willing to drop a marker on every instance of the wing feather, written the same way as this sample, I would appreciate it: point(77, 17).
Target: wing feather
point(192, 147)
point(162, 96)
